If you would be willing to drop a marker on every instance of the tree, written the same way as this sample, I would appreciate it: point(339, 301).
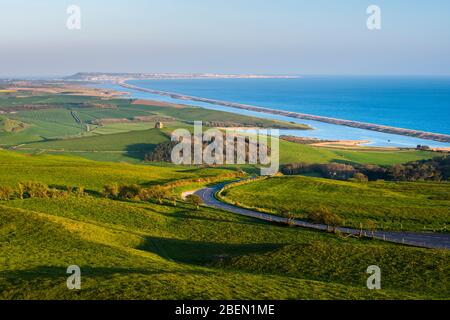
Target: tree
point(20, 190)
point(111, 191)
point(157, 192)
point(194, 200)
point(360, 177)
point(35, 190)
point(79, 191)
point(372, 226)
point(324, 216)
point(6, 193)
point(130, 192)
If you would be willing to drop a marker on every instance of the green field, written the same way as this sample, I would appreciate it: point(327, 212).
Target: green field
point(143, 250)
point(9, 125)
point(291, 152)
point(141, 141)
point(93, 175)
point(416, 206)
point(56, 121)
point(168, 249)
point(56, 131)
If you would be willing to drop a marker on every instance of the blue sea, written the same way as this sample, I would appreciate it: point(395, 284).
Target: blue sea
point(421, 103)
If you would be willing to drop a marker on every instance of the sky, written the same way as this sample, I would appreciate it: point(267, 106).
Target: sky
point(298, 37)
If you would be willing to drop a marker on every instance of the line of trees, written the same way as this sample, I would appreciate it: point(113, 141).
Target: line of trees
point(163, 151)
point(135, 192)
point(34, 189)
point(436, 169)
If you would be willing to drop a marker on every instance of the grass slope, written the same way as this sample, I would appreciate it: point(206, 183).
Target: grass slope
point(75, 171)
point(138, 250)
point(392, 206)
point(291, 152)
point(134, 144)
point(56, 129)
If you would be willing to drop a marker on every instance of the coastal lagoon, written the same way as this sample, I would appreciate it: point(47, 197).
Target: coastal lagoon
point(417, 103)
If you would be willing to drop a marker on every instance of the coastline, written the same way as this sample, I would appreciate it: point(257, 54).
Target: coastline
point(349, 123)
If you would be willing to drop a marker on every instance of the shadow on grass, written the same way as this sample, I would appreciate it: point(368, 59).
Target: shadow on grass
point(139, 150)
point(201, 252)
point(207, 214)
point(53, 272)
point(191, 216)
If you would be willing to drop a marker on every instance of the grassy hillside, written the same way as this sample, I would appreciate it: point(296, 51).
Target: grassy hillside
point(392, 206)
point(8, 125)
point(143, 250)
point(55, 129)
point(54, 120)
point(133, 145)
point(291, 152)
point(76, 171)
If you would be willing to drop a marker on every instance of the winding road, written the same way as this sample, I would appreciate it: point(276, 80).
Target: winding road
point(426, 240)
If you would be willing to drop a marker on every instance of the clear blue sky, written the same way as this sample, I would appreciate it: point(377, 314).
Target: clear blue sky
point(233, 36)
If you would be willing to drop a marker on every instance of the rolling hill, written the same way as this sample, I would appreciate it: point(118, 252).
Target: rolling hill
point(147, 250)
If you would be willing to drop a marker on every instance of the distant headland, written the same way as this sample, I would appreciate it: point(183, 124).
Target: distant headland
point(100, 76)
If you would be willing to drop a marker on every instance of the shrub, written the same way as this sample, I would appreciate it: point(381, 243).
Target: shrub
point(194, 200)
point(371, 225)
point(337, 171)
point(6, 193)
point(360, 177)
point(157, 193)
point(130, 192)
point(20, 190)
point(55, 193)
point(32, 189)
point(111, 191)
point(436, 169)
point(79, 191)
point(325, 216)
point(35, 190)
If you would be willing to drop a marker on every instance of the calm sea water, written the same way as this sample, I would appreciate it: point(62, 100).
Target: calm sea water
point(413, 103)
point(418, 103)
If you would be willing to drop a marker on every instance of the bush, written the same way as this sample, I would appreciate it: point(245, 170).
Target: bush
point(35, 190)
point(111, 191)
point(135, 192)
point(194, 200)
point(436, 169)
point(130, 192)
point(20, 190)
point(6, 193)
point(79, 191)
point(55, 193)
point(360, 177)
point(337, 171)
point(157, 193)
point(325, 216)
